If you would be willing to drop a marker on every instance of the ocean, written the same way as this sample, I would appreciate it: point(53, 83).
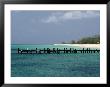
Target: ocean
point(53, 65)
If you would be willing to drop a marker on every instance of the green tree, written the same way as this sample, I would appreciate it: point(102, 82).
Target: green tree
point(90, 40)
point(63, 43)
point(73, 42)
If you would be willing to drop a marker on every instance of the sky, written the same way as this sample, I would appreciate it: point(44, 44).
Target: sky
point(53, 27)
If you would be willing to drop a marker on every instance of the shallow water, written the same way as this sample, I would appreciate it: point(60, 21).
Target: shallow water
point(53, 65)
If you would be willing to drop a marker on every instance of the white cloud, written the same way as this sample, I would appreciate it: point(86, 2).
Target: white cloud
point(51, 19)
point(69, 15)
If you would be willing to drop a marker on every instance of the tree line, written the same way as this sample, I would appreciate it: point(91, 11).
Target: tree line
point(86, 40)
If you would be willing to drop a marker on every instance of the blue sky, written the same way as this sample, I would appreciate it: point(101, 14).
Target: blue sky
point(50, 27)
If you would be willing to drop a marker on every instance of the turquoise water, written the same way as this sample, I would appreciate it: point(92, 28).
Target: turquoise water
point(53, 65)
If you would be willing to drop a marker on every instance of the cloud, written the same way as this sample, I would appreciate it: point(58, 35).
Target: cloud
point(52, 18)
point(69, 15)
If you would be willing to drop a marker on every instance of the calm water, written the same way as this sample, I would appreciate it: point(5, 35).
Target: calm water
point(53, 65)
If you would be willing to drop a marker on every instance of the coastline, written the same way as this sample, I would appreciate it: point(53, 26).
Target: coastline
point(83, 45)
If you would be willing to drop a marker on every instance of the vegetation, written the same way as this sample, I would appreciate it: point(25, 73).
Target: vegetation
point(87, 40)
point(63, 43)
point(73, 42)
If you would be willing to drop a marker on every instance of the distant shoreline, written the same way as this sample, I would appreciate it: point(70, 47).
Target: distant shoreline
point(77, 45)
point(83, 45)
